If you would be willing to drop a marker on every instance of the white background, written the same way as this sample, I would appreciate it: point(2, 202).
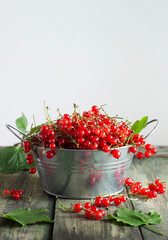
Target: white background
point(89, 52)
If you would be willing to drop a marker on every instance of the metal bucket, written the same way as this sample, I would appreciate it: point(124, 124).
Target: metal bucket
point(82, 174)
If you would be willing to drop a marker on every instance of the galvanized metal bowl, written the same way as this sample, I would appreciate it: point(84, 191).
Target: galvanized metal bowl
point(83, 174)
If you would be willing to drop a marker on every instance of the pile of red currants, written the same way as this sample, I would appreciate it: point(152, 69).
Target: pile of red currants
point(92, 130)
point(150, 192)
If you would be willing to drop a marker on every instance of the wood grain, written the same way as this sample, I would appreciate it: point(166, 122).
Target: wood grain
point(31, 186)
point(148, 170)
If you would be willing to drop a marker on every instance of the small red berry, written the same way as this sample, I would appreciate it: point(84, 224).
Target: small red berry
point(148, 147)
point(20, 192)
point(32, 170)
point(88, 214)
point(123, 198)
point(116, 153)
point(87, 205)
point(78, 207)
point(153, 151)
point(158, 181)
point(6, 192)
point(133, 149)
point(26, 144)
point(16, 196)
point(147, 154)
point(117, 201)
point(94, 208)
point(49, 154)
point(44, 129)
point(98, 215)
point(129, 182)
point(13, 191)
point(106, 202)
point(139, 155)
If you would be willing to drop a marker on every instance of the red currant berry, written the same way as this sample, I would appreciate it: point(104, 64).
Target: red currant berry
point(116, 153)
point(20, 192)
point(44, 129)
point(158, 181)
point(153, 151)
point(49, 154)
point(133, 149)
point(136, 138)
point(148, 147)
point(147, 154)
point(98, 215)
point(88, 214)
point(111, 198)
point(162, 189)
point(138, 185)
point(142, 141)
point(78, 207)
point(29, 156)
point(117, 201)
point(139, 155)
point(94, 208)
point(13, 191)
point(151, 186)
point(26, 144)
point(106, 148)
point(52, 146)
point(6, 192)
point(123, 198)
point(16, 196)
point(106, 202)
point(51, 134)
point(87, 205)
point(102, 211)
point(26, 149)
point(134, 190)
point(129, 182)
point(32, 170)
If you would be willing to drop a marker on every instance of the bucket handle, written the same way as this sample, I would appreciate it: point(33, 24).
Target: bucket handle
point(11, 128)
point(154, 120)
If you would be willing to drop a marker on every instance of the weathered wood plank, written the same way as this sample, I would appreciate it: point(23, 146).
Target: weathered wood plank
point(31, 186)
point(76, 226)
point(149, 170)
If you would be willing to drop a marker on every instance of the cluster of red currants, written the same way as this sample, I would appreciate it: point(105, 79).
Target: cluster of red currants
point(92, 130)
point(150, 192)
point(15, 194)
point(29, 156)
point(92, 210)
point(148, 147)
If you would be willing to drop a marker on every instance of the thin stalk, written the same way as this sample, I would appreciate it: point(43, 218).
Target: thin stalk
point(153, 229)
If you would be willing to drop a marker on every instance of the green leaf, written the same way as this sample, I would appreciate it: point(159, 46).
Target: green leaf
point(27, 216)
point(139, 125)
point(34, 130)
point(136, 218)
point(21, 123)
point(13, 160)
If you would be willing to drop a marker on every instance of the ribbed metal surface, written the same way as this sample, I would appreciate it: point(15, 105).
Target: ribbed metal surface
point(83, 174)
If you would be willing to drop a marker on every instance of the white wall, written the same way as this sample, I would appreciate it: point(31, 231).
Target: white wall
point(85, 52)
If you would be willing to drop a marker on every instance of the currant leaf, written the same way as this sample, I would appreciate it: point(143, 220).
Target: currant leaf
point(136, 218)
point(27, 216)
point(21, 123)
point(139, 125)
point(13, 160)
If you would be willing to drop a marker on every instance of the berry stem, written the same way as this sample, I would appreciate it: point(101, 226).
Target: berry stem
point(153, 229)
point(68, 209)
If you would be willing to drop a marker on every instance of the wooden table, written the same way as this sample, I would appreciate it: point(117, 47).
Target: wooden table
point(75, 225)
